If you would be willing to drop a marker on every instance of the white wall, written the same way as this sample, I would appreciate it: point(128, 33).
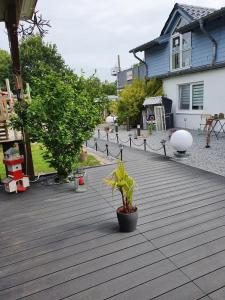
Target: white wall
point(214, 96)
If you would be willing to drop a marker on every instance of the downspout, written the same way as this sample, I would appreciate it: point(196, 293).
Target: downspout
point(143, 62)
point(146, 75)
point(214, 54)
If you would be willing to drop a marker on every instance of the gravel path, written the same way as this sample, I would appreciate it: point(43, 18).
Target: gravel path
point(210, 159)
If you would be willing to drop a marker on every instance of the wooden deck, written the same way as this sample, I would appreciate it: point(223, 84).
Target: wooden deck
point(57, 244)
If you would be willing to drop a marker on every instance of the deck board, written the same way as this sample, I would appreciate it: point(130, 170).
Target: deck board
point(58, 244)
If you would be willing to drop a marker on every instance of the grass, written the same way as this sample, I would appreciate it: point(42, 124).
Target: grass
point(41, 166)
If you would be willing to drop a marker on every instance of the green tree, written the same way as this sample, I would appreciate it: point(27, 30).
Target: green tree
point(109, 88)
point(154, 87)
point(65, 108)
point(5, 67)
point(132, 98)
point(33, 52)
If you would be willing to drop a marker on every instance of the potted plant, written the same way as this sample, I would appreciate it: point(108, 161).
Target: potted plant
point(150, 128)
point(127, 214)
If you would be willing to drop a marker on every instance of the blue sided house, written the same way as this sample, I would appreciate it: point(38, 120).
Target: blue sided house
point(189, 56)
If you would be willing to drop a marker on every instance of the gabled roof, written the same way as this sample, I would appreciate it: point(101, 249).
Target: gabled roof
point(196, 12)
point(220, 13)
point(191, 14)
point(158, 41)
point(190, 11)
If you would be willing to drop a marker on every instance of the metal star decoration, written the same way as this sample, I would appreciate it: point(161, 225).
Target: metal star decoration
point(36, 24)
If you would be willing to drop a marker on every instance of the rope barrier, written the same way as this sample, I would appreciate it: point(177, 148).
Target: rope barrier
point(130, 141)
point(99, 149)
point(125, 142)
point(112, 138)
point(103, 136)
point(113, 155)
point(153, 148)
point(137, 144)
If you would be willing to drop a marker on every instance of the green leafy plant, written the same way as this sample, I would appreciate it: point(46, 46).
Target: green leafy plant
point(5, 68)
point(121, 181)
point(131, 99)
point(150, 128)
point(65, 107)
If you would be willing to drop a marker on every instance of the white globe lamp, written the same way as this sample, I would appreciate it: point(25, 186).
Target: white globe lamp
point(181, 141)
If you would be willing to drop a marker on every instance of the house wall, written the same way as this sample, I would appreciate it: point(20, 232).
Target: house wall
point(138, 71)
point(202, 46)
point(158, 57)
point(214, 96)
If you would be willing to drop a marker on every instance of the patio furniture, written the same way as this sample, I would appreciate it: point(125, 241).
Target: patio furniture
point(217, 127)
point(206, 121)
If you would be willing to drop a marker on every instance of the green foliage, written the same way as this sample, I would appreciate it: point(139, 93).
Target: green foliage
point(154, 88)
point(33, 52)
point(131, 100)
point(41, 166)
point(133, 96)
point(109, 88)
point(150, 128)
point(65, 108)
point(5, 67)
point(113, 108)
point(121, 181)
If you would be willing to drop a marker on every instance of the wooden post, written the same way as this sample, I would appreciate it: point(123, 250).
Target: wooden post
point(12, 21)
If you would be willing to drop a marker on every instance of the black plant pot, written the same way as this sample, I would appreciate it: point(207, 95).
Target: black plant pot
point(127, 221)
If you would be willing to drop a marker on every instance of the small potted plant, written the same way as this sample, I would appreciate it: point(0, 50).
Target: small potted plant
point(127, 214)
point(150, 128)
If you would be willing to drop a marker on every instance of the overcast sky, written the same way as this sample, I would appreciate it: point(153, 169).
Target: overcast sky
point(90, 33)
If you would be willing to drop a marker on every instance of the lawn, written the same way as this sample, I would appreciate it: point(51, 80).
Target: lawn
point(41, 166)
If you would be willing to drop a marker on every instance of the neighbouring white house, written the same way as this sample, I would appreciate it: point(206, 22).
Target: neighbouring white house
point(189, 57)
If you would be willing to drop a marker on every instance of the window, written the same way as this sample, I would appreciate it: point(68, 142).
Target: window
point(191, 96)
point(197, 96)
point(180, 51)
point(184, 96)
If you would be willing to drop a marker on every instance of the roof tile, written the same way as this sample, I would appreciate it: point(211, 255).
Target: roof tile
point(196, 12)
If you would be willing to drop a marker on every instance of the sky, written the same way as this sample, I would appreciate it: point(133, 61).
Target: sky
point(89, 34)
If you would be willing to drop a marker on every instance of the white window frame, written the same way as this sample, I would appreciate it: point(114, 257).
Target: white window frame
point(181, 53)
point(190, 110)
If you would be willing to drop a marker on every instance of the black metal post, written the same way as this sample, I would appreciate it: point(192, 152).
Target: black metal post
point(107, 136)
point(144, 144)
point(117, 138)
point(138, 130)
point(163, 142)
point(208, 139)
point(130, 141)
point(164, 148)
point(96, 146)
point(116, 127)
point(128, 124)
point(107, 149)
point(121, 154)
point(86, 143)
point(99, 133)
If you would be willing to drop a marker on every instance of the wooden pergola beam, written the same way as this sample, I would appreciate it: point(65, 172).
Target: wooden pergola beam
point(12, 21)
